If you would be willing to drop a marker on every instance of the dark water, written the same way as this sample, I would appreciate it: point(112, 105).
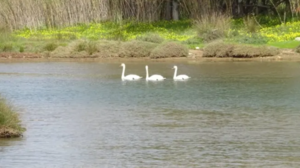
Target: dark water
point(80, 114)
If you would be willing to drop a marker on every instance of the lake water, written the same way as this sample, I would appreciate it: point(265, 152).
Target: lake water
point(80, 114)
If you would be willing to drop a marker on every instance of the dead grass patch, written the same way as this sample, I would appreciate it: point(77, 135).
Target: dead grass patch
point(218, 49)
point(221, 49)
point(151, 37)
point(107, 48)
point(136, 48)
point(170, 49)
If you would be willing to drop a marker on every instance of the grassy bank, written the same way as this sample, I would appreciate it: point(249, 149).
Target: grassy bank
point(9, 121)
point(139, 39)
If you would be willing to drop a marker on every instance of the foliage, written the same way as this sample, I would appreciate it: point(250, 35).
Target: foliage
point(22, 49)
point(221, 49)
point(50, 46)
point(151, 37)
point(9, 119)
point(169, 49)
point(213, 26)
point(182, 31)
point(136, 48)
point(253, 51)
point(7, 47)
point(285, 44)
point(217, 49)
point(249, 38)
point(283, 32)
point(177, 30)
point(297, 49)
point(107, 48)
point(251, 25)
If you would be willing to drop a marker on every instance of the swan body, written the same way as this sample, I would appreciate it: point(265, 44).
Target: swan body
point(153, 77)
point(130, 77)
point(179, 77)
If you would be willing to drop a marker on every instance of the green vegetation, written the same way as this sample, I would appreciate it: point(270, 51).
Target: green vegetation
point(141, 39)
point(170, 49)
point(9, 121)
point(221, 49)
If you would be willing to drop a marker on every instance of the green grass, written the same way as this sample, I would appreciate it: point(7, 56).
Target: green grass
point(185, 32)
point(285, 44)
point(9, 119)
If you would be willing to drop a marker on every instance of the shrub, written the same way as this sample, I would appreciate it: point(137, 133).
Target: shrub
point(253, 38)
point(212, 26)
point(79, 45)
point(253, 51)
point(136, 48)
point(298, 49)
point(66, 51)
point(9, 121)
point(50, 46)
point(107, 48)
point(60, 52)
point(21, 49)
point(151, 37)
point(251, 25)
point(220, 49)
point(7, 47)
point(217, 49)
point(170, 49)
point(194, 40)
point(91, 47)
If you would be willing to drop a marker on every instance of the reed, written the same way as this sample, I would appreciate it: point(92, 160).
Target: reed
point(9, 120)
point(34, 14)
point(212, 26)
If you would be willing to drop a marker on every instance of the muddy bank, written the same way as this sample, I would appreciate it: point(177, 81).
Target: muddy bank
point(9, 133)
point(194, 55)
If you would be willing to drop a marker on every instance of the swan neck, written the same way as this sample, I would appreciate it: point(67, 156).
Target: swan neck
point(175, 73)
point(147, 74)
point(123, 72)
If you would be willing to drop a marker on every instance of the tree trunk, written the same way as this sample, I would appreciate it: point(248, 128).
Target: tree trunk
point(175, 12)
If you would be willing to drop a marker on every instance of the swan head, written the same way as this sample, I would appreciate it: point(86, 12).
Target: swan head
point(146, 66)
point(122, 65)
point(174, 67)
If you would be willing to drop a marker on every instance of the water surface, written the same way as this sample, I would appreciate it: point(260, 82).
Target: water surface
point(80, 114)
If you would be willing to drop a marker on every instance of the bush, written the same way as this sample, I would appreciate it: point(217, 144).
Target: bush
point(170, 49)
point(67, 51)
point(9, 121)
point(253, 39)
point(212, 26)
point(83, 48)
point(217, 49)
point(220, 49)
point(79, 45)
point(253, 51)
point(21, 49)
point(151, 37)
point(60, 52)
point(298, 49)
point(251, 25)
point(107, 48)
point(50, 46)
point(136, 48)
point(7, 47)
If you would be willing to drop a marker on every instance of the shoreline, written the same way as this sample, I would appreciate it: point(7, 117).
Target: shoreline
point(194, 56)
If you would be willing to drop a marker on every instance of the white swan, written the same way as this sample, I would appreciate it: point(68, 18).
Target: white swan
point(179, 77)
point(129, 77)
point(153, 77)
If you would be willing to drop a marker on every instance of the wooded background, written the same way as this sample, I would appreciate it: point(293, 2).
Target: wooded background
point(16, 14)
